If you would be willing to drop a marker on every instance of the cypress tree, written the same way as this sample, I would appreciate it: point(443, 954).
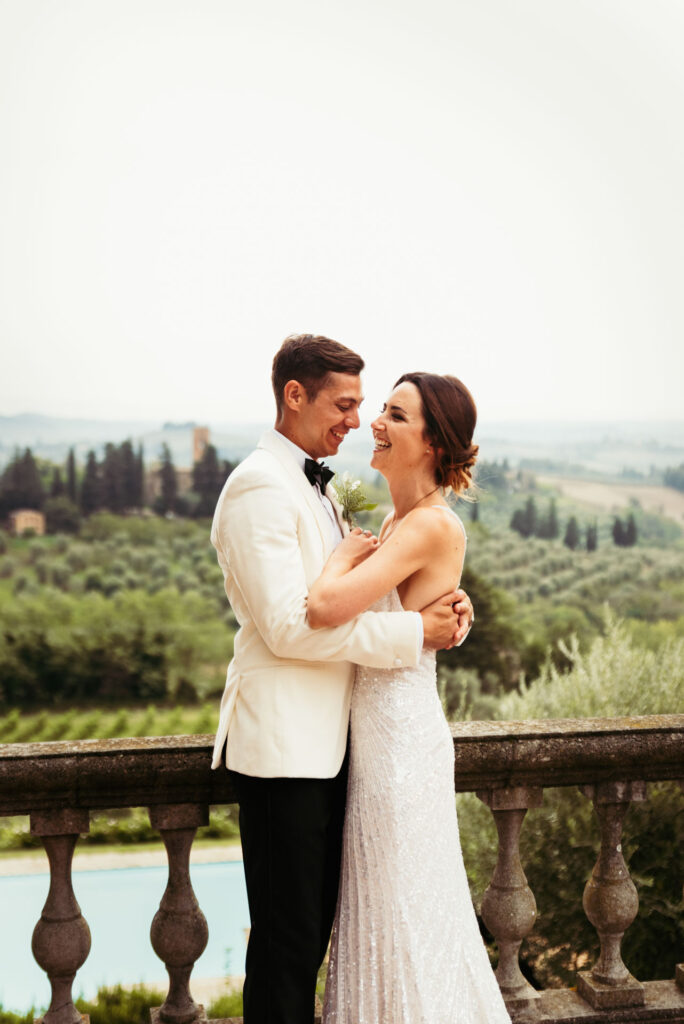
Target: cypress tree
point(129, 476)
point(207, 480)
point(112, 480)
point(169, 483)
point(618, 532)
point(71, 476)
point(91, 490)
point(31, 485)
point(20, 484)
point(572, 534)
point(139, 479)
point(524, 520)
point(630, 534)
point(57, 488)
point(547, 526)
point(592, 536)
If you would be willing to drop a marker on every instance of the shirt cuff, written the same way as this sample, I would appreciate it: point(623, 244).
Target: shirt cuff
point(421, 636)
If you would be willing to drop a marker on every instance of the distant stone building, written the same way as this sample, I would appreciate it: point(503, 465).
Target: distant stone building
point(24, 519)
point(200, 443)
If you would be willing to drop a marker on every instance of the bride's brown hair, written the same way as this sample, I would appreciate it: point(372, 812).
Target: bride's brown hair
point(450, 416)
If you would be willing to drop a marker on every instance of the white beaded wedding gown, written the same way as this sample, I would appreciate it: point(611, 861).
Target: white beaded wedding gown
point(406, 948)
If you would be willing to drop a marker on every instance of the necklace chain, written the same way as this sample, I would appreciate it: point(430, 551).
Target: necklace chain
point(394, 522)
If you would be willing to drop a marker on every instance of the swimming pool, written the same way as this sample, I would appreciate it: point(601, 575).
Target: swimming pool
point(119, 906)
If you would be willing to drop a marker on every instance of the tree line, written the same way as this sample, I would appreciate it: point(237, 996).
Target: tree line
point(529, 522)
point(674, 477)
point(115, 482)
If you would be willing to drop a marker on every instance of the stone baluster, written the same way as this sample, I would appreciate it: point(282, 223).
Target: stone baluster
point(61, 938)
point(179, 930)
point(509, 909)
point(679, 969)
point(611, 901)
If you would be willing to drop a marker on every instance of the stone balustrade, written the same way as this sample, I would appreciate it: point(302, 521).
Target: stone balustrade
point(508, 765)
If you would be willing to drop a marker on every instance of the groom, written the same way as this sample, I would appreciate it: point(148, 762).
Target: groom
point(285, 708)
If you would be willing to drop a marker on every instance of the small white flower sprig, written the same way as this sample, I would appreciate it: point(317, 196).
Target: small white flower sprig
point(350, 496)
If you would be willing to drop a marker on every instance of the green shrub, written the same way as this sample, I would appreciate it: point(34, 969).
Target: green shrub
point(7, 1017)
point(77, 557)
point(462, 696)
point(159, 569)
point(8, 567)
point(614, 677)
point(123, 826)
point(24, 583)
point(94, 580)
point(138, 560)
point(35, 549)
point(223, 823)
point(111, 584)
point(226, 1006)
point(119, 1005)
point(42, 570)
point(60, 575)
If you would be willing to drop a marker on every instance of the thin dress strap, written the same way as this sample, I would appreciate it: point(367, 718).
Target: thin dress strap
point(445, 508)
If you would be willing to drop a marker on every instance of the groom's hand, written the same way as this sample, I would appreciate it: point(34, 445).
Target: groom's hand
point(446, 622)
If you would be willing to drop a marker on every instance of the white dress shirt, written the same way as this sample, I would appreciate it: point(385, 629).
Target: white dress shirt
point(301, 456)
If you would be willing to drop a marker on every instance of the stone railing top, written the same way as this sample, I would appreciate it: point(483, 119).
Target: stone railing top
point(150, 771)
point(566, 752)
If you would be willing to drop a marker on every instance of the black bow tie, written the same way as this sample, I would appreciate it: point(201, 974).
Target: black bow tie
point(317, 473)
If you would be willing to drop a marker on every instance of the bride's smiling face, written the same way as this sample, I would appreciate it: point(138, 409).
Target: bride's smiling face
point(399, 432)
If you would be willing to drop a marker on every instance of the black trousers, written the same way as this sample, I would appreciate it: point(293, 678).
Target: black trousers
point(291, 833)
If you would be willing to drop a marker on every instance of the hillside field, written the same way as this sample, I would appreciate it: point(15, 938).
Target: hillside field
point(613, 497)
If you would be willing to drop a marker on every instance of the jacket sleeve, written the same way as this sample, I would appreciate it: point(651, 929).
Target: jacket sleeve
point(256, 531)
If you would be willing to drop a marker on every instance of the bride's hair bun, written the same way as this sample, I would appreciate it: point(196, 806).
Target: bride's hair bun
point(450, 417)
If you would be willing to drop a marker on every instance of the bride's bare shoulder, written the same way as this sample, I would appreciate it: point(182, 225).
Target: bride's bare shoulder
point(439, 521)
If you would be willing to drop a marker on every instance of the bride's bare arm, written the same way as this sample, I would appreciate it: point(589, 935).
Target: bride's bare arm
point(359, 571)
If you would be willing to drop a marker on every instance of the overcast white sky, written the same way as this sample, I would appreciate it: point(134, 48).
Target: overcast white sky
point(492, 188)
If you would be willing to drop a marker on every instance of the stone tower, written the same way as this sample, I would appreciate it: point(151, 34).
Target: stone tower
point(200, 440)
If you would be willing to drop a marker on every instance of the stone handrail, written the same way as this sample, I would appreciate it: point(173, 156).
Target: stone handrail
point(508, 764)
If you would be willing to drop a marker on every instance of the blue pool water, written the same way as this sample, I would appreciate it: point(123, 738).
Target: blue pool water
point(119, 906)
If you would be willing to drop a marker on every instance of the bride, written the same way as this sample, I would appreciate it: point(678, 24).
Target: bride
point(406, 948)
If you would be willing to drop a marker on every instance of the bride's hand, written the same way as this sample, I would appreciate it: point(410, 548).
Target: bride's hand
point(355, 548)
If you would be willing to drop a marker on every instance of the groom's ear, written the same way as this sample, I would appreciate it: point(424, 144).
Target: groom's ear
point(294, 395)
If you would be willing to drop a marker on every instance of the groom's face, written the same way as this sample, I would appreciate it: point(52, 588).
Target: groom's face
point(325, 421)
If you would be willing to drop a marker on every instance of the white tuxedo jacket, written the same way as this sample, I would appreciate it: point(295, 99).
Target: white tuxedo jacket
point(285, 708)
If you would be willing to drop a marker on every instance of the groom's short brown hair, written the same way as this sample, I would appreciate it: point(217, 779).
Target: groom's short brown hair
point(309, 359)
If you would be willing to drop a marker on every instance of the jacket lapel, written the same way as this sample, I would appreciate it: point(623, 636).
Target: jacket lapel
point(330, 495)
point(272, 444)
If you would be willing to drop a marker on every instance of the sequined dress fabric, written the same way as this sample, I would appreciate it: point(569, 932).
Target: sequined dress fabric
point(406, 948)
